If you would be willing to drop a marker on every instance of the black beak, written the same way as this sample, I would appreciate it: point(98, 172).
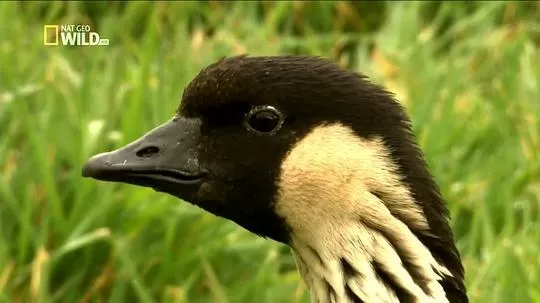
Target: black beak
point(164, 159)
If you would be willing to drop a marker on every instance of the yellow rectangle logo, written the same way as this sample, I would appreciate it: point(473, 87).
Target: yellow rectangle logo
point(50, 34)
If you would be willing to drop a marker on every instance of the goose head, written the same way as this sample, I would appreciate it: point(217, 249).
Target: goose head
point(303, 152)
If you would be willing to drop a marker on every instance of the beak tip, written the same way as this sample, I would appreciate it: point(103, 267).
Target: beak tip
point(94, 166)
point(86, 171)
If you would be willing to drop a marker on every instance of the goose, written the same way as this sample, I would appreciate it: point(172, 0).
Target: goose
point(304, 152)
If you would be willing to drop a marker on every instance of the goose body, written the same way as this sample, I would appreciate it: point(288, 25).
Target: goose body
point(298, 150)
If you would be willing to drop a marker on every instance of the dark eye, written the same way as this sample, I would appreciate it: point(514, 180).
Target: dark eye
point(265, 120)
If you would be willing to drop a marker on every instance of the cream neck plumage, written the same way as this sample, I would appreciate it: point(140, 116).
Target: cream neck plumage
point(351, 222)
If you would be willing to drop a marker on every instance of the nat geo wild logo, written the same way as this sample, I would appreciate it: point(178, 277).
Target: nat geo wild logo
point(71, 35)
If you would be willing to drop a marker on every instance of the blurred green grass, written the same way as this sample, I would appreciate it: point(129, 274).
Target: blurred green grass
point(468, 72)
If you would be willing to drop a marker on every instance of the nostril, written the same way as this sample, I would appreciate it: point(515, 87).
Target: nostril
point(147, 152)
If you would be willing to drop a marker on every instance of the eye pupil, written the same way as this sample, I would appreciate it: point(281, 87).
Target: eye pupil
point(264, 120)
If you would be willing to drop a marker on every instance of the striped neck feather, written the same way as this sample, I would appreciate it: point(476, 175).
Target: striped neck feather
point(361, 264)
point(352, 221)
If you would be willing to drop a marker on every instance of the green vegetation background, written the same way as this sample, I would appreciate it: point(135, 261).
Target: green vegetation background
point(468, 72)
